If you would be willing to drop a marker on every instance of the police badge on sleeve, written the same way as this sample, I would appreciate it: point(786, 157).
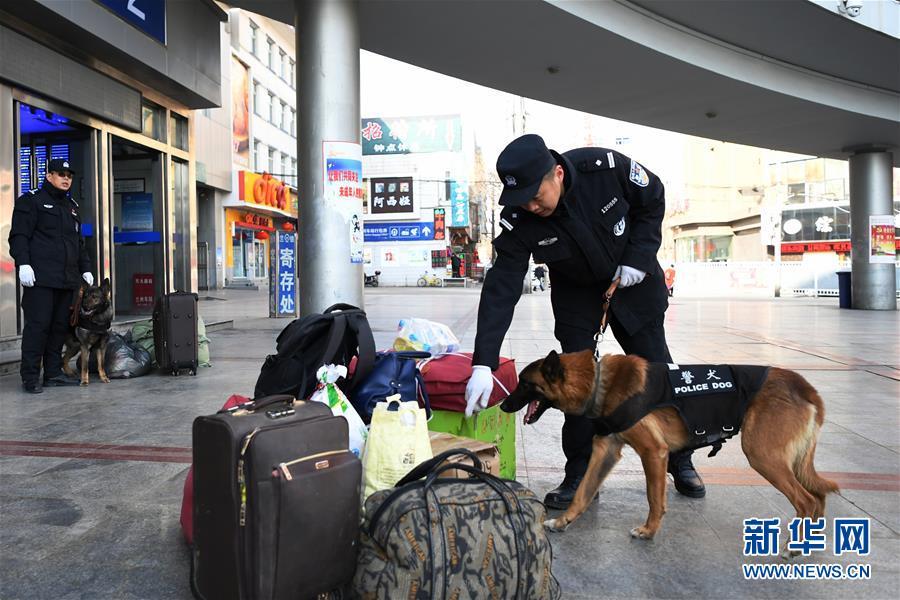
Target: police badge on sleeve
point(638, 175)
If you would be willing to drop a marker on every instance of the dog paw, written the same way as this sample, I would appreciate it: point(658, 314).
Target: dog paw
point(642, 533)
point(556, 524)
point(84, 382)
point(104, 379)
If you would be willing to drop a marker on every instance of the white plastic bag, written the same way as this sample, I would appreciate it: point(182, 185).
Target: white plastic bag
point(329, 393)
point(425, 335)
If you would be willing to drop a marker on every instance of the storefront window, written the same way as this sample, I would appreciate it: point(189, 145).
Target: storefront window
point(703, 248)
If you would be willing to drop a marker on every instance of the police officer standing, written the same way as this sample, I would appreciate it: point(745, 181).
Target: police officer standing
point(45, 241)
point(591, 215)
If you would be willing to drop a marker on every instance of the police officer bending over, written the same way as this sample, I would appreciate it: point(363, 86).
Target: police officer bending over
point(591, 215)
point(45, 241)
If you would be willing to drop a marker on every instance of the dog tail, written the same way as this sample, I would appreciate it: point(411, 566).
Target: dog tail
point(804, 469)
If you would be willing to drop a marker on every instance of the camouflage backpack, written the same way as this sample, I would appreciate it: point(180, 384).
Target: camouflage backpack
point(430, 537)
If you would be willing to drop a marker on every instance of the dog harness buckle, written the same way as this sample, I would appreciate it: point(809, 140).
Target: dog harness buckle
point(598, 338)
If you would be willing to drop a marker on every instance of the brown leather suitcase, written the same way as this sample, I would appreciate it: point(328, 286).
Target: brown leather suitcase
point(276, 502)
point(175, 332)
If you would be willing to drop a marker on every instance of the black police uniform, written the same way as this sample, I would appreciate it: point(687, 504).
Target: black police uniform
point(610, 214)
point(46, 234)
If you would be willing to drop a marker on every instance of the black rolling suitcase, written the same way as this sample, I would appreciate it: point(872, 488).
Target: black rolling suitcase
point(175, 332)
point(276, 502)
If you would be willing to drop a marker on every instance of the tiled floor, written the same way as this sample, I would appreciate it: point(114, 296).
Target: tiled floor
point(91, 478)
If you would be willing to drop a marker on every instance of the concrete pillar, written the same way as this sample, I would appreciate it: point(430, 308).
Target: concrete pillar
point(328, 110)
point(874, 284)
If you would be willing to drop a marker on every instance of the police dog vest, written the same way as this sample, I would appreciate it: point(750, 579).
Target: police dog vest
point(711, 400)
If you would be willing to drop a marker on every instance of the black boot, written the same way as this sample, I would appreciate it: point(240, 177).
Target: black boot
point(687, 480)
point(561, 497)
point(60, 380)
point(32, 387)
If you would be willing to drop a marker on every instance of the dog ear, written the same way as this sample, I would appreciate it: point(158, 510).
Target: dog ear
point(552, 368)
point(105, 287)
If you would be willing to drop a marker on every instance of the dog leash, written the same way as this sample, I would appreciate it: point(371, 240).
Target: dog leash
point(607, 296)
point(76, 307)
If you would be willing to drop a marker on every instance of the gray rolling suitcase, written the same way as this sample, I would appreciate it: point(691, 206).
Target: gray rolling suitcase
point(175, 332)
point(276, 502)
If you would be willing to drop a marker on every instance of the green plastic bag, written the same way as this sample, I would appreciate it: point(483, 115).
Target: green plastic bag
point(202, 344)
point(142, 335)
point(490, 425)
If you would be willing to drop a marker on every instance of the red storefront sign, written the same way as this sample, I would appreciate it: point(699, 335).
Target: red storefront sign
point(142, 290)
point(836, 246)
point(254, 221)
point(439, 224)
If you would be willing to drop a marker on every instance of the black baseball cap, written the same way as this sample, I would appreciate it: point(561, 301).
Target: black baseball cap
point(59, 165)
point(521, 167)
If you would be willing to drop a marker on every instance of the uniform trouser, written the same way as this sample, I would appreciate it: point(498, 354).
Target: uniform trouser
point(649, 343)
point(46, 325)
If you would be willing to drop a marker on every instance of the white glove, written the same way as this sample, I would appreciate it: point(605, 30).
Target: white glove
point(88, 278)
point(479, 388)
point(629, 276)
point(26, 275)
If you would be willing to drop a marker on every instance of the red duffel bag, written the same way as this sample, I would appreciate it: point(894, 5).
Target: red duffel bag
point(446, 377)
point(187, 497)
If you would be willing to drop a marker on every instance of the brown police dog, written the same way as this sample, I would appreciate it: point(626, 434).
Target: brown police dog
point(95, 315)
point(778, 434)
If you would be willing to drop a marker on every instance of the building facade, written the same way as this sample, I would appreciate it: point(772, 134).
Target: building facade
point(110, 86)
point(263, 197)
point(418, 204)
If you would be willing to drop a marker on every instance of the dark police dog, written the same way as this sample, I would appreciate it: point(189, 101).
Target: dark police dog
point(95, 316)
point(778, 436)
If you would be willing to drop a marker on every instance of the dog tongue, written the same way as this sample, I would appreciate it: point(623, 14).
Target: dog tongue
point(532, 408)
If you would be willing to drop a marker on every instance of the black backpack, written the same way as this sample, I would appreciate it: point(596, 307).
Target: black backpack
point(333, 337)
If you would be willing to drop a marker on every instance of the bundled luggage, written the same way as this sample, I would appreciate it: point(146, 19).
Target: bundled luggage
point(175, 332)
point(275, 501)
point(433, 537)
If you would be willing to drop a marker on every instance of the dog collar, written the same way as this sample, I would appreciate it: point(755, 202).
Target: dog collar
point(92, 327)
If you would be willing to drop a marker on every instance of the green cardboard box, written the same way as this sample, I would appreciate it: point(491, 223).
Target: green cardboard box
point(490, 425)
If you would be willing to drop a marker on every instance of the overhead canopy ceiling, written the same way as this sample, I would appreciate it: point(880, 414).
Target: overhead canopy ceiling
point(787, 74)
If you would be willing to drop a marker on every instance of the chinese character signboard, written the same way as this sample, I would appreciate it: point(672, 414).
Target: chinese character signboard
point(439, 224)
point(137, 212)
point(459, 204)
point(283, 275)
point(404, 135)
point(143, 290)
point(882, 247)
point(380, 231)
point(391, 195)
point(343, 190)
